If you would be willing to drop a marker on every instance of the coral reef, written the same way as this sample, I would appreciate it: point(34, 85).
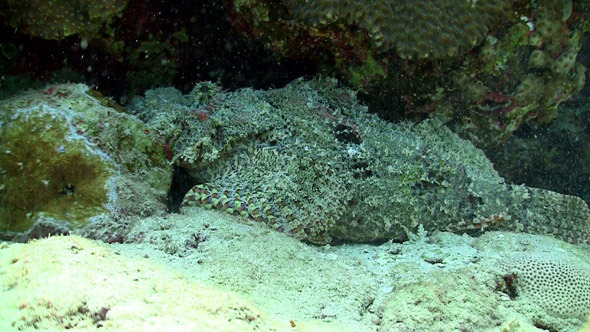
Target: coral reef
point(310, 161)
point(521, 75)
point(58, 19)
point(544, 280)
point(57, 179)
point(482, 72)
point(146, 44)
point(72, 159)
point(414, 29)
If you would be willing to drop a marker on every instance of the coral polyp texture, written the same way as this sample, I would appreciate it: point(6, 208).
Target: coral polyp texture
point(484, 67)
point(58, 19)
point(310, 161)
point(414, 29)
point(555, 286)
point(71, 160)
point(529, 68)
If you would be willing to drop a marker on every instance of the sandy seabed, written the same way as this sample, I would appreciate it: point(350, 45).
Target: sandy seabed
point(208, 271)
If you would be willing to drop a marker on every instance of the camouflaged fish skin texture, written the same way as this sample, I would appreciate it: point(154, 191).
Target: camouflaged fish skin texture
point(310, 161)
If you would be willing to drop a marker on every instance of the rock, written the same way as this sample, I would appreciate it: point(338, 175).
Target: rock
point(72, 160)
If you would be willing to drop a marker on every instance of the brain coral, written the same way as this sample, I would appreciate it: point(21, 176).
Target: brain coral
point(558, 284)
point(415, 29)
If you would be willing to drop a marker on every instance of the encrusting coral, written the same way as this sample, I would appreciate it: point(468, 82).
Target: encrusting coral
point(485, 68)
point(308, 160)
point(414, 29)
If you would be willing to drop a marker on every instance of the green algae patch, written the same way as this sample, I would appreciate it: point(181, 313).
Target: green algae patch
point(45, 171)
point(71, 159)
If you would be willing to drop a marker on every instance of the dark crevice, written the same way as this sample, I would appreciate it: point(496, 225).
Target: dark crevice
point(182, 182)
